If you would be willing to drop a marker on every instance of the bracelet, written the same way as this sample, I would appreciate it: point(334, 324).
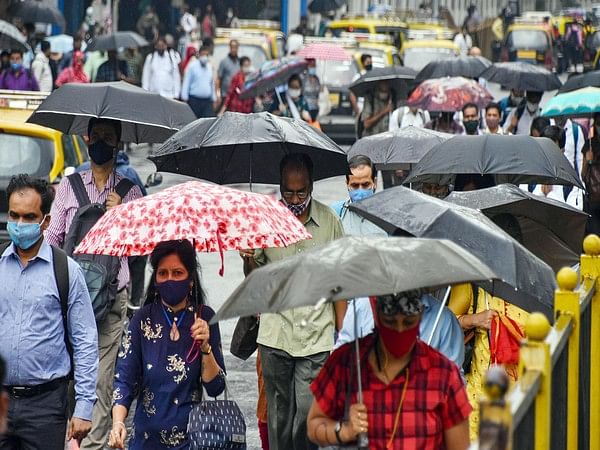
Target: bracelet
point(207, 352)
point(119, 423)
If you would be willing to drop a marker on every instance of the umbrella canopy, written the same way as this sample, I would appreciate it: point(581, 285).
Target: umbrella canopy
point(272, 74)
point(449, 94)
point(580, 103)
point(62, 43)
point(525, 280)
point(33, 11)
point(520, 75)
point(145, 116)
point(318, 6)
point(588, 79)
point(120, 39)
point(215, 218)
point(324, 51)
point(399, 77)
point(403, 146)
point(242, 148)
point(463, 66)
point(551, 230)
point(337, 271)
point(11, 37)
point(513, 159)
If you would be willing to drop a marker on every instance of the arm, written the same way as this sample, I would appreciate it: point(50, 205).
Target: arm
point(354, 103)
point(340, 307)
point(511, 121)
point(321, 428)
point(213, 363)
point(146, 72)
point(457, 437)
point(372, 120)
point(62, 78)
point(55, 233)
point(187, 81)
point(176, 80)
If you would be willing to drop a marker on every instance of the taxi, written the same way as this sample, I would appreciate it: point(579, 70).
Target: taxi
point(432, 28)
point(272, 41)
point(392, 26)
point(271, 30)
point(379, 46)
point(254, 47)
point(416, 54)
point(528, 42)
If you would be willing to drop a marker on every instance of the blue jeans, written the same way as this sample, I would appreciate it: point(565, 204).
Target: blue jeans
point(202, 107)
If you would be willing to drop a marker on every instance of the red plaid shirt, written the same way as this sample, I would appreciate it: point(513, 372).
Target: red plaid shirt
point(436, 399)
point(232, 100)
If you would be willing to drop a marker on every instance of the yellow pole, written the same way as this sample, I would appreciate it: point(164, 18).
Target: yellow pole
point(566, 310)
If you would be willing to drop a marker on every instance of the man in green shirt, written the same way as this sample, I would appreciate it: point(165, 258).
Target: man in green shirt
point(294, 344)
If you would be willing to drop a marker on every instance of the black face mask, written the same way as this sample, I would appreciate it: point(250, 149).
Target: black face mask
point(471, 126)
point(160, 52)
point(101, 152)
point(369, 67)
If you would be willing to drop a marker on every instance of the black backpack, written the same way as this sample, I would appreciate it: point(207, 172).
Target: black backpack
point(100, 271)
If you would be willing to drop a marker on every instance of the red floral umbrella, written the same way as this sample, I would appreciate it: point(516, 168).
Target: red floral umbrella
point(215, 218)
point(325, 52)
point(449, 94)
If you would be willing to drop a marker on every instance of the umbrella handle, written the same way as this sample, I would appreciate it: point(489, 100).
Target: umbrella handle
point(439, 315)
point(363, 439)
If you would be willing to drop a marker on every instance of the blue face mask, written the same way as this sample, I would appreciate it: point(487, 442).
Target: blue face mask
point(173, 292)
point(360, 194)
point(312, 70)
point(24, 235)
point(16, 66)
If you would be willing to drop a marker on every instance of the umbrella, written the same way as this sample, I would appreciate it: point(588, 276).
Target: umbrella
point(552, 230)
point(589, 79)
point(580, 103)
point(520, 75)
point(462, 66)
point(319, 6)
point(215, 218)
point(145, 116)
point(33, 11)
point(525, 280)
point(272, 74)
point(449, 94)
point(241, 148)
point(62, 43)
point(398, 76)
point(11, 37)
point(336, 271)
point(115, 41)
point(325, 52)
point(513, 159)
point(403, 146)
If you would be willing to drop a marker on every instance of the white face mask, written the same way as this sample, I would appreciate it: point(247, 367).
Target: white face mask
point(532, 107)
point(203, 59)
point(247, 69)
point(294, 93)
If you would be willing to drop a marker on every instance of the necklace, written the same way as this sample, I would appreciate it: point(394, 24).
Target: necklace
point(390, 442)
point(174, 333)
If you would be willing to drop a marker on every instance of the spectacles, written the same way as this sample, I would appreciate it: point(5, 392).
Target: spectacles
point(288, 195)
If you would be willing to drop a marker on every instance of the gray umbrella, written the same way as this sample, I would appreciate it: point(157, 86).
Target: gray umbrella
point(114, 41)
point(145, 116)
point(463, 66)
point(552, 230)
point(511, 159)
point(11, 37)
point(34, 11)
point(525, 280)
point(522, 75)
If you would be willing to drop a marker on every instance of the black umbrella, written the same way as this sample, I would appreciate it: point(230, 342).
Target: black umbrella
point(525, 280)
point(520, 75)
point(463, 66)
point(589, 79)
point(241, 148)
point(145, 116)
point(120, 39)
point(318, 6)
point(271, 75)
point(401, 79)
point(399, 147)
point(11, 37)
point(551, 230)
point(32, 11)
point(511, 159)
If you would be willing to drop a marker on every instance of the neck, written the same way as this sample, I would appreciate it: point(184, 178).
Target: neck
point(26, 255)
point(101, 172)
point(493, 129)
point(178, 307)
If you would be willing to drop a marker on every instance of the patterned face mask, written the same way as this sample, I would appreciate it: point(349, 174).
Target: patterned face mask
point(299, 208)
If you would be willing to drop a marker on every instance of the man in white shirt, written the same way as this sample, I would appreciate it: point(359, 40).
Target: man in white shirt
point(188, 21)
point(464, 41)
point(519, 119)
point(492, 119)
point(40, 67)
point(406, 116)
point(161, 71)
point(573, 151)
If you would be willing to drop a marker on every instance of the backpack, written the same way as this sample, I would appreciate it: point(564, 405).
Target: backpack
point(61, 275)
point(100, 271)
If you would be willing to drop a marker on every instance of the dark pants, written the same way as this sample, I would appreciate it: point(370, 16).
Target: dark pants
point(137, 269)
point(202, 107)
point(38, 422)
point(287, 381)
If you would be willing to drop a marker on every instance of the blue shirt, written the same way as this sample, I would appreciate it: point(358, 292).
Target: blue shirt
point(32, 331)
point(354, 224)
point(198, 82)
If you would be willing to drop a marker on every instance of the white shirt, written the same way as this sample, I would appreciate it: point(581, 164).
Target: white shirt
point(464, 43)
point(161, 74)
point(188, 22)
point(575, 197)
point(499, 131)
point(40, 68)
point(419, 119)
point(524, 125)
point(573, 152)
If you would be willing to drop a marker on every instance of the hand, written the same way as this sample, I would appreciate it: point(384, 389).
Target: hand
point(514, 121)
point(113, 200)
point(248, 253)
point(116, 437)
point(357, 423)
point(201, 333)
point(484, 319)
point(79, 428)
point(215, 106)
point(282, 107)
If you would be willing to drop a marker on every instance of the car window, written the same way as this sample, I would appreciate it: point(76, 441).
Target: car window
point(377, 56)
point(337, 74)
point(256, 53)
point(417, 58)
point(25, 154)
point(527, 39)
point(82, 148)
point(71, 159)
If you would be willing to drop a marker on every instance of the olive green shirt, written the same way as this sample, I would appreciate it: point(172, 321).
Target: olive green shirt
point(302, 331)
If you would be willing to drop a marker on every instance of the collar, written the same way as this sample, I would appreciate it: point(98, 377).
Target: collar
point(44, 252)
point(88, 178)
point(313, 212)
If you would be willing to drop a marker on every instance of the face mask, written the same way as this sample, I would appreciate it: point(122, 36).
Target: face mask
point(532, 107)
point(160, 52)
point(516, 100)
point(369, 67)
point(247, 69)
point(101, 152)
point(16, 66)
point(360, 194)
point(173, 292)
point(203, 60)
point(298, 209)
point(383, 95)
point(398, 343)
point(312, 71)
point(24, 235)
point(294, 93)
point(471, 126)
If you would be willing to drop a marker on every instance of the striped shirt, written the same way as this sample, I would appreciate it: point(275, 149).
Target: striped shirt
point(65, 206)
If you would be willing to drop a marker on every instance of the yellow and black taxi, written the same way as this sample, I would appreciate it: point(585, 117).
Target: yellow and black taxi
point(416, 54)
point(528, 42)
point(391, 26)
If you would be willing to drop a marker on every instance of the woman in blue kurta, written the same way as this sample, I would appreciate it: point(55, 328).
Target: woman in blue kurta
point(167, 349)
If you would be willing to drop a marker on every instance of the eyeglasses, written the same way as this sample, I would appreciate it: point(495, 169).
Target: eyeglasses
point(288, 195)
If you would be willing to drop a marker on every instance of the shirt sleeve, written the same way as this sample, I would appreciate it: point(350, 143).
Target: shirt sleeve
point(216, 386)
point(55, 233)
point(134, 193)
point(456, 408)
point(451, 338)
point(330, 384)
point(129, 363)
point(185, 87)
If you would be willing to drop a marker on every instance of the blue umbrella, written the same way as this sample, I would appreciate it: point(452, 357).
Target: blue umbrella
point(581, 103)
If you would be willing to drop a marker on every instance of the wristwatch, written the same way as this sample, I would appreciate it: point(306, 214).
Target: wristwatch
point(207, 352)
point(338, 430)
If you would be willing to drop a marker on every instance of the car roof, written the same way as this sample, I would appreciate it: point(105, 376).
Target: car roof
point(431, 43)
point(29, 129)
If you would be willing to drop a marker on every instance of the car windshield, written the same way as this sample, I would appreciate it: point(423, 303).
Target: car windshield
point(337, 74)
point(528, 39)
point(255, 52)
point(25, 154)
point(416, 58)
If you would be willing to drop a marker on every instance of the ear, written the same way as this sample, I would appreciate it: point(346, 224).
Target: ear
point(45, 223)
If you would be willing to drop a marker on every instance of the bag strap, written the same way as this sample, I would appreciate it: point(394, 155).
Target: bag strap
point(78, 187)
point(123, 187)
point(61, 273)
point(4, 246)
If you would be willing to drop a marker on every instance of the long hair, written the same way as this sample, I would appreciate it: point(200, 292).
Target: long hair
point(187, 255)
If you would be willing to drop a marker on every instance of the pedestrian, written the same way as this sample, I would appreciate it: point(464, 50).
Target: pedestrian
point(573, 149)
point(408, 116)
point(311, 89)
point(445, 123)
point(147, 24)
point(18, 78)
point(590, 173)
point(378, 105)
point(100, 183)
point(209, 23)
point(291, 355)
point(440, 190)
point(188, 22)
point(556, 192)
point(538, 125)
point(134, 60)
point(190, 56)
point(574, 46)
point(293, 104)
point(492, 119)
point(37, 281)
point(233, 102)
point(4, 61)
point(113, 69)
point(463, 41)
point(401, 373)
point(512, 100)
point(4, 403)
point(93, 61)
point(357, 103)
point(73, 73)
point(161, 71)
point(519, 119)
point(228, 67)
point(198, 88)
point(498, 33)
point(67, 59)
point(473, 181)
point(154, 365)
point(40, 67)
point(232, 21)
point(170, 40)
point(470, 113)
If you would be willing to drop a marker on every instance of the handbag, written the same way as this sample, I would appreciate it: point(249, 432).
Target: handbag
point(243, 341)
point(217, 424)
